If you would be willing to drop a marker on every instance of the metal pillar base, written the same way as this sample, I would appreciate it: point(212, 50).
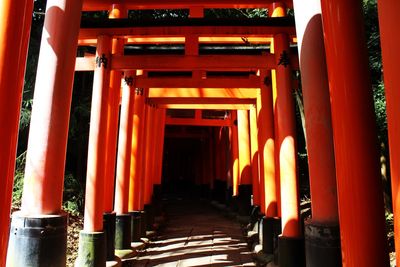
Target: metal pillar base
point(135, 225)
point(109, 231)
point(92, 249)
point(37, 241)
point(291, 252)
point(123, 231)
point(322, 245)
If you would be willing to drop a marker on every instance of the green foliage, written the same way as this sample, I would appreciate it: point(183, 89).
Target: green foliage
point(18, 180)
point(73, 195)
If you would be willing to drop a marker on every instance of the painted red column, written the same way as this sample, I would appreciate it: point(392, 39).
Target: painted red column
point(361, 208)
point(148, 181)
point(160, 147)
point(44, 173)
point(93, 221)
point(324, 225)
point(136, 158)
point(121, 205)
point(286, 139)
point(235, 154)
point(142, 155)
point(266, 145)
point(14, 32)
point(317, 111)
point(388, 17)
point(254, 156)
point(117, 11)
point(244, 147)
point(276, 9)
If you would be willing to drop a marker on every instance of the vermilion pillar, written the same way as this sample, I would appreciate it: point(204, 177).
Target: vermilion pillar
point(117, 11)
point(125, 145)
point(244, 147)
point(254, 156)
point(388, 17)
point(361, 209)
point(286, 139)
point(276, 9)
point(92, 236)
point(235, 154)
point(121, 206)
point(266, 146)
point(291, 244)
point(322, 231)
point(160, 147)
point(245, 179)
point(97, 141)
point(270, 223)
point(44, 173)
point(14, 32)
point(148, 181)
point(136, 158)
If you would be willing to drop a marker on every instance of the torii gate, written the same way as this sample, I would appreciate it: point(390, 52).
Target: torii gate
point(361, 220)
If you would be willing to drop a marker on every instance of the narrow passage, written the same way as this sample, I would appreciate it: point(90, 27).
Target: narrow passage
point(197, 235)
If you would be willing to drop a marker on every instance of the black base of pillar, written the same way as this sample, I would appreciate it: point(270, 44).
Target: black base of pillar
point(37, 241)
point(143, 223)
point(149, 209)
point(291, 252)
point(255, 214)
point(135, 225)
point(123, 231)
point(322, 244)
point(244, 199)
point(269, 231)
point(109, 231)
point(92, 250)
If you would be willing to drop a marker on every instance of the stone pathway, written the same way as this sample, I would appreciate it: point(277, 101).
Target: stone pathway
point(197, 235)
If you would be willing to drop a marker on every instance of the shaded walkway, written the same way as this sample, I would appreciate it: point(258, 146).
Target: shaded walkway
point(197, 235)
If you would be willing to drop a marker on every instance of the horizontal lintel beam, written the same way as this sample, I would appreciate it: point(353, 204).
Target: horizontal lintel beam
point(179, 32)
point(208, 106)
point(237, 93)
point(96, 5)
point(187, 82)
point(206, 62)
point(197, 122)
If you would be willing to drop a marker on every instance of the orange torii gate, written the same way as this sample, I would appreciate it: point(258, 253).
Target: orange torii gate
point(362, 229)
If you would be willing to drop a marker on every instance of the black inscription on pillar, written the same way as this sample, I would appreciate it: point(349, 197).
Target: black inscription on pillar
point(284, 59)
point(129, 80)
point(139, 91)
point(267, 81)
point(101, 60)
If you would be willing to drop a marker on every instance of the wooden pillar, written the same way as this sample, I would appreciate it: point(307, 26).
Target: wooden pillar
point(388, 16)
point(142, 154)
point(317, 111)
point(276, 9)
point(286, 139)
point(14, 32)
point(148, 181)
point(160, 147)
point(125, 145)
point(323, 227)
point(244, 147)
point(114, 97)
point(136, 157)
point(93, 221)
point(361, 210)
point(235, 154)
point(44, 172)
point(254, 157)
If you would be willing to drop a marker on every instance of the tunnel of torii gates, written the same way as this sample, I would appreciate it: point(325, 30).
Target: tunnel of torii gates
point(254, 88)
